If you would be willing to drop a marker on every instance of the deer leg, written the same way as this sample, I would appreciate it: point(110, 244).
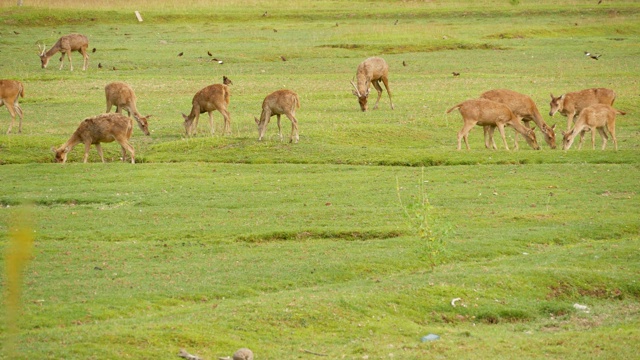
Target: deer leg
point(581, 139)
point(18, 110)
point(464, 133)
point(87, 147)
point(486, 129)
point(294, 128)
point(227, 121)
point(279, 127)
point(611, 126)
point(124, 143)
point(13, 115)
point(376, 84)
point(83, 51)
point(386, 86)
point(99, 148)
point(603, 135)
point(61, 60)
point(213, 129)
point(504, 138)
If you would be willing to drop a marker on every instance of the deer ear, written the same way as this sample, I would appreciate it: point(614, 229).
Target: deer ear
point(561, 97)
point(185, 116)
point(553, 97)
point(256, 119)
point(533, 128)
point(54, 150)
point(553, 127)
point(354, 92)
point(67, 149)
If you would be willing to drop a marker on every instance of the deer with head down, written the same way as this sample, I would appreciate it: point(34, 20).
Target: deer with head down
point(66, 45)
point(122, 96)
point(594, 117)
point(277, 103)
point(99, 129)
point(10, 92)
point(208, 99)
point(523, 107)
point(571, 104)
point(483, 112)
point(371, 71)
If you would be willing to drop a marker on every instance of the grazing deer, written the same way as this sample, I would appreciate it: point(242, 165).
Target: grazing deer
point(98, 129)
point(483, 112)
point(570, 104)
point(10, 91)
point(65, 45)
point(594, 117)
point(122, 96)
point(523, 107)
point(277, 103)
point(371, 71)
point(212, 97)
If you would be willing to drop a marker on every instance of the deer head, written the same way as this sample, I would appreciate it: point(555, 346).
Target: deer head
point(555, 104)
point(362, 98)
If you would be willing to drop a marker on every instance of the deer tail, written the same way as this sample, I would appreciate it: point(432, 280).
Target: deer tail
point(297, 102)
point(21, 90)
point(227, 96)
point(453, 108)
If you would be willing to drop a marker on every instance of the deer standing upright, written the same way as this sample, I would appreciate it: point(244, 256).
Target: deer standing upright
point(66, 45)
point(277, 103)
point(122, 96)
point(208, 99)
point(571, 104)
point(10, 92)
point(371, 71)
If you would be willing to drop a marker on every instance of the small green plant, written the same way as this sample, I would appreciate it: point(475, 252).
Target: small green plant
point(423, 221)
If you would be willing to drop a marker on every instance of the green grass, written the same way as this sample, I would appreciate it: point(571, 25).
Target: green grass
point(214, 243)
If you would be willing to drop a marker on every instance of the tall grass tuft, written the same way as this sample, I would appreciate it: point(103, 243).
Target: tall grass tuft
point(423, 221)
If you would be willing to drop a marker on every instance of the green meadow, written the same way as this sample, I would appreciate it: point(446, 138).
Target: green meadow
point(370, 233)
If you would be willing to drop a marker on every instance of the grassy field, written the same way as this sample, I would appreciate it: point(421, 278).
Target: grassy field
point(213, 243)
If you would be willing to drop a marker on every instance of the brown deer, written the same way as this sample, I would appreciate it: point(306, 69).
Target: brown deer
point(66, 45)
point(570, 104)
point(122, 96)
point(523, 107)
point(210, 98)
point(277, 103)
point(594, 117)
point(99, 129)
point(483, 112)
point(371, 71)
point(10, 92)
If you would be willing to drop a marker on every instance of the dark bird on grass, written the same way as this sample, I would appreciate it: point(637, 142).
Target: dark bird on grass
point(586, 53)
point(595, 56)
point(94, 50)
point(226, 80)
point(395, 23)
point(456, 73)
point(599, 2)
point(15, 32)
point(181, 54)
point(209, 53)
point(337, 25)
point(219, 61)
point(283, 58)
point(114, 68)
point(99, 65)
point(265, 14)
point(404, 63)
point(275, 30)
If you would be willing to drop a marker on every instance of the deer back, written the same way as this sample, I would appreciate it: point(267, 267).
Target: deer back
point(104, 128)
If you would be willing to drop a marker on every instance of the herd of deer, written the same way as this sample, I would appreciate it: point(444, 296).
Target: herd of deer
point(495, 108)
